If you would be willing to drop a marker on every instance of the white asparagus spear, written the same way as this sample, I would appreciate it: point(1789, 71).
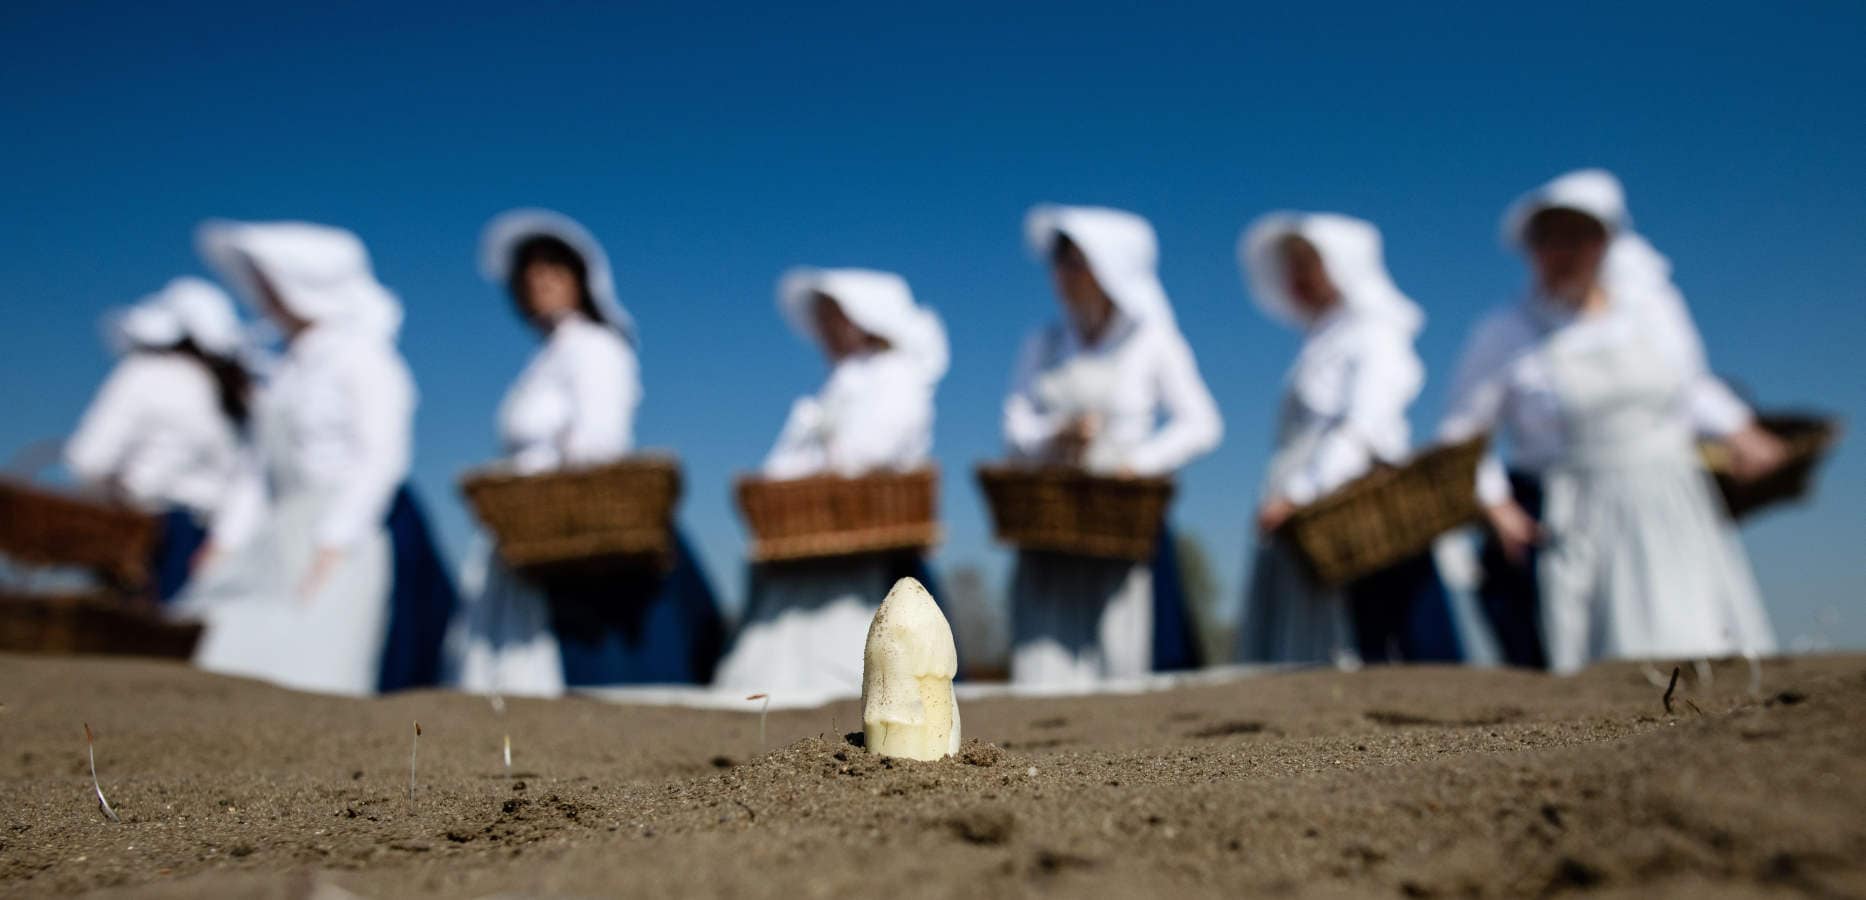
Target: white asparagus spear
point(908, 707)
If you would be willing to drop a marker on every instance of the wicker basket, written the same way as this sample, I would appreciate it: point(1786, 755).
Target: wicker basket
point(822, 516)
point(578, 524)
point(1067, 510)
point(1389, 514)
point(90, 623)
point(1808, 437)
point(44, 528)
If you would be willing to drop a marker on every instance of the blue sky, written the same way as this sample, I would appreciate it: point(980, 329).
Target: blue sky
point(712, 146)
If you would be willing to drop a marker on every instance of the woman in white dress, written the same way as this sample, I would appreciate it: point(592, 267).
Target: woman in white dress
point(1343, 411)
point(1111, 386)
point(573, 405)
point(1608, 540)
point(321, 574)
point(806, 621)
point(163, 432)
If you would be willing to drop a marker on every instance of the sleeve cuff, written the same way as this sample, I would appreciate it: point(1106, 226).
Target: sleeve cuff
point(1493, 486)
point(1300, 490)
point(1716, 411)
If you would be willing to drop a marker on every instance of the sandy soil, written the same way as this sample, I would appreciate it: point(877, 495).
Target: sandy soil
point(1418, 782)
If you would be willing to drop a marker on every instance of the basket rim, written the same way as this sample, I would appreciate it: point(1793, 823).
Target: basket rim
point(57, 494)
point(914, 474)
point(500, 472)
point(994, 470)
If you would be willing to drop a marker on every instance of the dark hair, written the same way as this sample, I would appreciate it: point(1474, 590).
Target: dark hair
point(1562, 221)
point(231, 380)
point(551, 250)
point(1063, 248)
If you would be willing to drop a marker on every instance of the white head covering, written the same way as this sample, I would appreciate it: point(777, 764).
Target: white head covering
point(1633, 268)
point(1121, 249)
point(321, 274)
point(186, 308)
point(509, 229)
point(879, 303)
point(1351, 254)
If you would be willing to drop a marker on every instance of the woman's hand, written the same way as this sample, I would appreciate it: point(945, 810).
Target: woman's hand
point(203, 557)
point(1071, 443)
point(322, 565)
point(1515, 529)
point(1272, 514)
point(1754, 453)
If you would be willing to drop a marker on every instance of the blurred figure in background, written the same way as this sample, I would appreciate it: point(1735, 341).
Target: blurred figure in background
point(573, 405)
point(164, 431)
point(1090, 390)
point(1608, 539)
point(806, 621)
point(322, 575)
point(1343, 411)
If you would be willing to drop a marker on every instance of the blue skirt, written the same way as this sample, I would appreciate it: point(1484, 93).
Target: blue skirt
point(654, 629)
point(172, 562)
point(1403, 614)
point(1175, 646)
point(421, 600)
point(1509, 593)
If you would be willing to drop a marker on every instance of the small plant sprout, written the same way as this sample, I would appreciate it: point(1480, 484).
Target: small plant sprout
point(498, 709)
point(414, 754)
point(90, 748)
point(763, 710)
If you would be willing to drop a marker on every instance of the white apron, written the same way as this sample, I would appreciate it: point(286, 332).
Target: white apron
point(1288, 618)
point(1077, 621)
point(805, 633)
point(501, 641)
point(1640, 561)
point(257, 624)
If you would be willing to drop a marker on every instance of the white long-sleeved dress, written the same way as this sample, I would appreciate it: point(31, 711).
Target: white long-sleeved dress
point(1343, 409)
point(1075, 620)
point(574, 404)
point(155, 432)
point(1639, 560)
point(806, 622)
point(333, 440)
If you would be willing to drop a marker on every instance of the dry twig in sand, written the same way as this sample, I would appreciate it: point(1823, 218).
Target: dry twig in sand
point(1669, 689)
point(414, 754)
